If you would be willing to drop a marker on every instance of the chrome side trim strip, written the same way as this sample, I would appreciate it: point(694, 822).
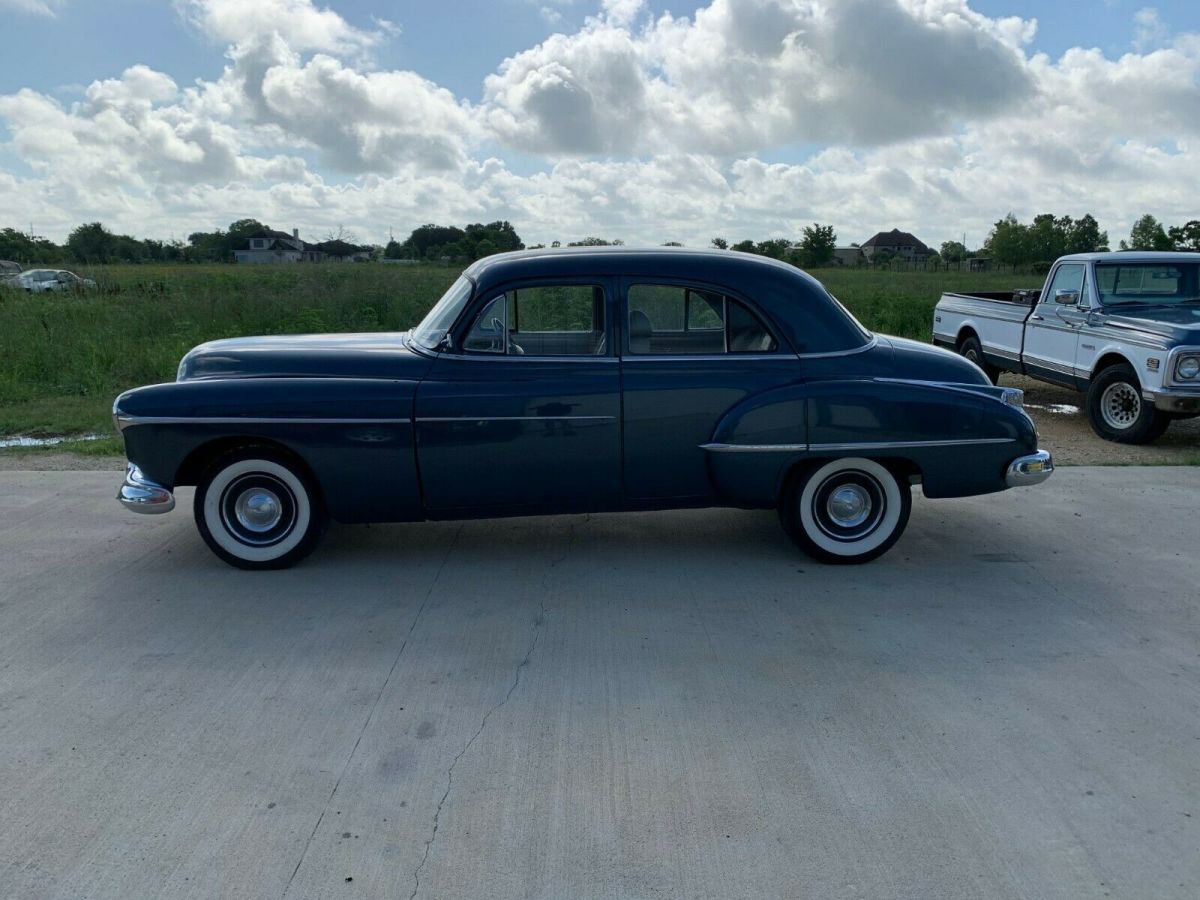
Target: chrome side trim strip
point(424, 419)
point(717, 447)
point(890, 445)
point(754, 448)
point(703, 357)
point(124, 422)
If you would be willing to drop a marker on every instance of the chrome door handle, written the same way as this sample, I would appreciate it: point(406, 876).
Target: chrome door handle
point(1037, 318)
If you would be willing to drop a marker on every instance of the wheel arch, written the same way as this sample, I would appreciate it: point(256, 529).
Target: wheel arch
point(194, 464)
point(1109, 358)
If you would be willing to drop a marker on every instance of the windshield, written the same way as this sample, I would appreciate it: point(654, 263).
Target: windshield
point(441, 318)
point(1148, 284)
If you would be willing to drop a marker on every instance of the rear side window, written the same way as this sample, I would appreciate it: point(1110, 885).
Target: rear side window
point(668, 320)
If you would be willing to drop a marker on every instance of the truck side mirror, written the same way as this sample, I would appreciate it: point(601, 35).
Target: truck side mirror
point(1067, 298)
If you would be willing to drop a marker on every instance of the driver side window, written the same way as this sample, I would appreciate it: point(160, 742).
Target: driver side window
point(542, 320)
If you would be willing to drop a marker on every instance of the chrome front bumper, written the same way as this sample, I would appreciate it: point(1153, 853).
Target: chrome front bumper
point(142, 495)
point(1032, 469)
point(1175, 400)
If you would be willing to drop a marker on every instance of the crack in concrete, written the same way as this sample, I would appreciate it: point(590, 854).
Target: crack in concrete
point(437, 813)
point(371, 714)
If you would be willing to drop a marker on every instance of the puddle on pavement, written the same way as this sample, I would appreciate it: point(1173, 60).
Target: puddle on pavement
point(1062, 409)
point(7, 442)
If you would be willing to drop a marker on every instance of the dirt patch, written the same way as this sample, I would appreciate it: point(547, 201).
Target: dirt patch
point(1064, 429)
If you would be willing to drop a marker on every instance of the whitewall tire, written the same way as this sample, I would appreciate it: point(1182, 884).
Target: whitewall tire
point(258, 509)
point(846, 510)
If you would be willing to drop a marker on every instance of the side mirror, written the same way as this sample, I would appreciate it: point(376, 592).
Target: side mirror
point(446, 344)
point(1067, 298)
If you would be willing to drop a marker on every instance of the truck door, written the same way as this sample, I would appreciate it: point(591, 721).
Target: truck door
point(1052, 330)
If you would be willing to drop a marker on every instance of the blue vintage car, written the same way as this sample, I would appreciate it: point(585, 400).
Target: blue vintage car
point(567, 381)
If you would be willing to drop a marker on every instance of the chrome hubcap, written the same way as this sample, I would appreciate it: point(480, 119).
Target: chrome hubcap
point(258, 510)
point(1120, 405)
point(849, 506)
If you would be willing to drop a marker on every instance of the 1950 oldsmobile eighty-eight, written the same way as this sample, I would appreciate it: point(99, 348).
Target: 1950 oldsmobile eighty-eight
point(567, 381)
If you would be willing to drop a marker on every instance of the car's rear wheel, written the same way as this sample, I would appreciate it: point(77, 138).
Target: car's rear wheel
point(1117, 410)
point(846, 510)
point(256, 508)
point(971, 349)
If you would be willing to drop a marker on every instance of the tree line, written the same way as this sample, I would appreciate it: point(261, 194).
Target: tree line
point(1010, 242)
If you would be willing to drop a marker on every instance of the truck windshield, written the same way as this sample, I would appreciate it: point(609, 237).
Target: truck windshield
point(438, 322)
point(1148, 284)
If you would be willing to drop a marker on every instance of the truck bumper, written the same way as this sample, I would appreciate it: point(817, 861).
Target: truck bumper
point(1032, 469)
point(1174, 401)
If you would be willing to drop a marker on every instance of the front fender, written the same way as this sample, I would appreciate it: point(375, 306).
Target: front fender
point(354, 435)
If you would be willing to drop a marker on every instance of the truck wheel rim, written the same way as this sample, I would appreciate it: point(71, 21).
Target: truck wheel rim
point(972, 356)
point(1120, 405)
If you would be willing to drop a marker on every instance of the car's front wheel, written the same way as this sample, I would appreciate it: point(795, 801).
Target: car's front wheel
point(846, 510)
point(257, 508)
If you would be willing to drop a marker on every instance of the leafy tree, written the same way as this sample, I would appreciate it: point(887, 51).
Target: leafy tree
point(434, 242)
point(1185, 237)
point(1147, 234)
point(91, 243)
point(20, 247)
point(672, 244)
point(745, 247)
point(1008, 243)
point(817, 245)
point(1085, 236)
point(392, 250)
point(953, 252)
point(720, 243)
point(775, 248)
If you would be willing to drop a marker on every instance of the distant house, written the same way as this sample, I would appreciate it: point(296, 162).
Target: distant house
point(269, 246)
point(848, 256)
point(341, 251)
point(900, 244)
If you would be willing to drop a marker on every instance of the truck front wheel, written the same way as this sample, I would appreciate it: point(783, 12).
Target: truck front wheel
point(1117, 410)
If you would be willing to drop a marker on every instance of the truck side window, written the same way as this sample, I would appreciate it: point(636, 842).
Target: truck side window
point(1067, 278)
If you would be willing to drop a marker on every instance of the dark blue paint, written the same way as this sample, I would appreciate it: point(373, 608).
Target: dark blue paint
point(455, 435)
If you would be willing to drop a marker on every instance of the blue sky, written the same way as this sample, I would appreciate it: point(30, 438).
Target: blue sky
point(606, 127)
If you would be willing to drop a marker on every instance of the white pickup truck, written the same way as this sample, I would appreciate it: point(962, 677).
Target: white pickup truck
point(1123, 327)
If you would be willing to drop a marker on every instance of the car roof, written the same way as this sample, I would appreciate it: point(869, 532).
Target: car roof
point(1162, 256)
point(681, 262)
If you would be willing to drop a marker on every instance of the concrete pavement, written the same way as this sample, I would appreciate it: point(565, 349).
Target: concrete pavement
point(655, 705)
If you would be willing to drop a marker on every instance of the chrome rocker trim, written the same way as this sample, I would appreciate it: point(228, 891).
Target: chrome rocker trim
point(142, 495)
point(1032, 469)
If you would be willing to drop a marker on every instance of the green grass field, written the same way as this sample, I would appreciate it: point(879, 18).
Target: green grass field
point(64, 358)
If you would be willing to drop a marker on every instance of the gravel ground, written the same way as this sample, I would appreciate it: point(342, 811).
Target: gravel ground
point(1065, 431)
point(1058, 411)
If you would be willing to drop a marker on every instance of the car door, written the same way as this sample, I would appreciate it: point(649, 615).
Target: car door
point(1052, 330)
point(522, 412)
point(690, 352)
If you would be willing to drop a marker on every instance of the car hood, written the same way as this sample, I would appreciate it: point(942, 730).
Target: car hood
point(370, 355)
point(1171, 324)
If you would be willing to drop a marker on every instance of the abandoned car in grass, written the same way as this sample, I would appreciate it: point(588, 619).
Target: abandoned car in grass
point(568, 381)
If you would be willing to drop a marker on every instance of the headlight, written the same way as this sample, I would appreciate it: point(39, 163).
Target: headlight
point(1188, 368)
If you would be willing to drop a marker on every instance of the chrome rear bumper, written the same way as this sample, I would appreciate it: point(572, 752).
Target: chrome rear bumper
point(142, 495)
point(1032, 469)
